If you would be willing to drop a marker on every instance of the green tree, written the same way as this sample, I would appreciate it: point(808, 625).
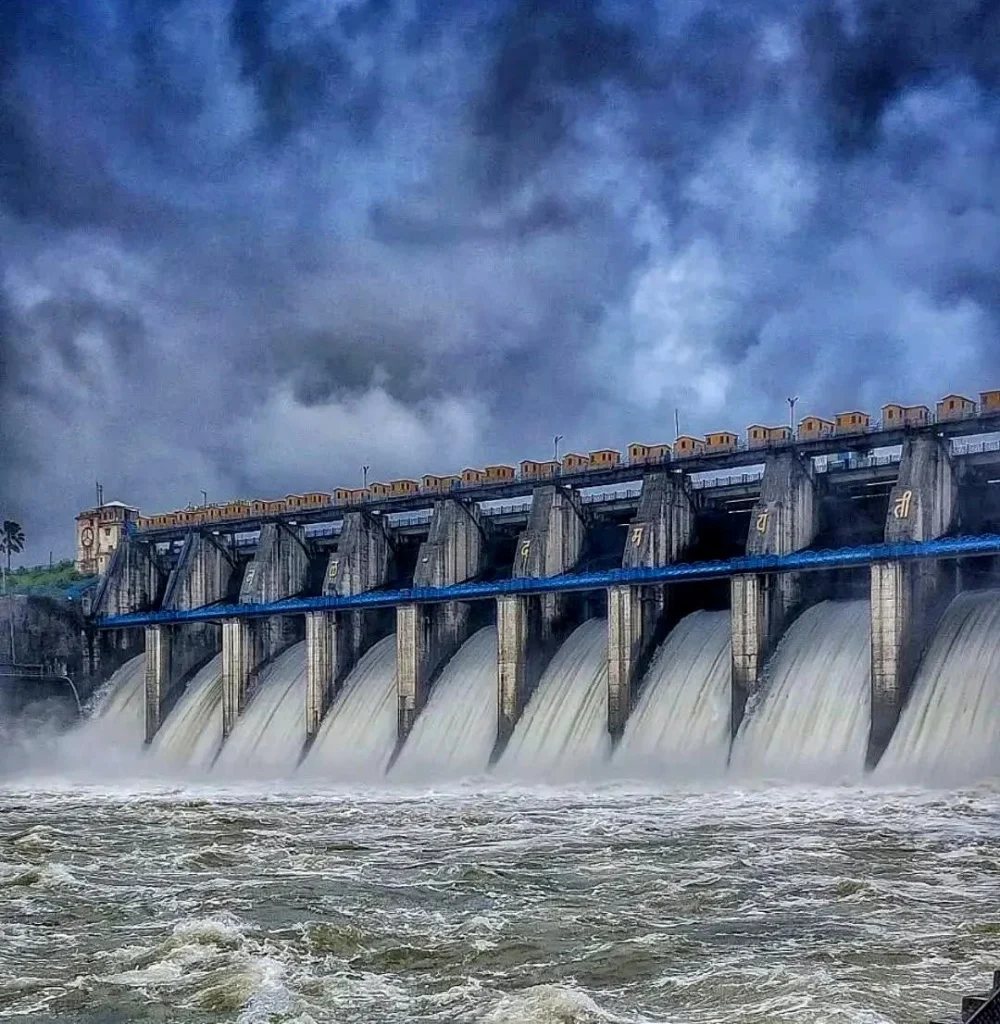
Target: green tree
point(11, 539)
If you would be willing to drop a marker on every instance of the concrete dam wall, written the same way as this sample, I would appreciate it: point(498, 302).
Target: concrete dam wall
point(282, 654)
point(809, 721)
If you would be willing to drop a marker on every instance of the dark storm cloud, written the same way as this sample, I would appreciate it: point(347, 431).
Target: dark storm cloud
point(401, 225)
point(247, 246)
point(312, 76)
point(867, 55)
point(545, 71)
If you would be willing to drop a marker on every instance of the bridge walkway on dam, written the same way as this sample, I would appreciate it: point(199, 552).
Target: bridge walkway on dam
point(801, 561)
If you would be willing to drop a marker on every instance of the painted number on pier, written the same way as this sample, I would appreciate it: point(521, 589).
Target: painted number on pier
point(637, 532)
point(333, 570)
point(525, 549)
point(901, 508)
point(762, 521)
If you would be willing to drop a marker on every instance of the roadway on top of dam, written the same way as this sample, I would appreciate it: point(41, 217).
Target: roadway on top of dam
point(860, 466)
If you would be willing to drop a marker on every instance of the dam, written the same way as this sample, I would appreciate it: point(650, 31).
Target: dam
point(513, 756)
point(810, 633)
point(810, 723)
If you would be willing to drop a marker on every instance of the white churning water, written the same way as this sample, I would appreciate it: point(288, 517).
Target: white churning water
point(268, 737)
point(810, 721)
point(454, 734)
point(120, 714)
point(191, 736)
point(111, 738)
point(680, 724)
point(950, 730)
point(813, 716)
point(563, 730)
point(358, 735)
point(493, 904)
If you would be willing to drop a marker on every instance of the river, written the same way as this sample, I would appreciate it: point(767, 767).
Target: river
point(494, 903)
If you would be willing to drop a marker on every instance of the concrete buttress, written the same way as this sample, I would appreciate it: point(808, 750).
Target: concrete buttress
point(427, 635)
point(661, 532)
point(336, 640)
point(134, 580)
point(201, 577)
point(279, 569)
point(785, 519)
point(907, 598)
point(530, 627)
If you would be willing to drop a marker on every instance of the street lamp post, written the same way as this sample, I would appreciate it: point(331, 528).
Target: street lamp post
point(791, 412)
point(555, 447)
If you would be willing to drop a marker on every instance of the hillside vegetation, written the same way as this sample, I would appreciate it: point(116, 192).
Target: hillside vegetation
point(54, 580)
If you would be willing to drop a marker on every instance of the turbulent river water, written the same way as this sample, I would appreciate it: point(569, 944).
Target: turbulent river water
point(495, 904)
point(667, 882)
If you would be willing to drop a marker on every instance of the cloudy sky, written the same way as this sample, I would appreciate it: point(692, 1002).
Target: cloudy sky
point(249, 245)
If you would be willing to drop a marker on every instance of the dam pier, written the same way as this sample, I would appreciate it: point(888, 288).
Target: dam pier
point(661, 533)
point(336, 640)
point(531, 627)
point(908, 598)
point(201, 577)
point(637, 548)
point(783, 520)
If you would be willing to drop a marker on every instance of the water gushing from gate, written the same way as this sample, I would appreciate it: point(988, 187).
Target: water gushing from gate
point(949, 731)
point(563, 731)
point(358, 735)
point(455, 733)
point(189, 739)
point(268, 737)
point(680, 724)
point(812, 716)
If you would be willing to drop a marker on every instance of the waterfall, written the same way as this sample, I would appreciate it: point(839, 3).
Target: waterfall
point(119, 714)
point(680, 723)
point(268, 738)
point(358, 734)
point(563, 730)
point(949, 732)
point(191, 735)
point(454, 734)
point(812, 719)
point(110, 739)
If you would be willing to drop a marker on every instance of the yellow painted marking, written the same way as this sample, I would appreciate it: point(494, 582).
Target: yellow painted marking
point(901, 508)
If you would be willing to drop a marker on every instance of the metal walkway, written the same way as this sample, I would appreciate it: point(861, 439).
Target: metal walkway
point(800, 561)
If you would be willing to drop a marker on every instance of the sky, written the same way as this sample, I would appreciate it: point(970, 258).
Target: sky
point(252, 245)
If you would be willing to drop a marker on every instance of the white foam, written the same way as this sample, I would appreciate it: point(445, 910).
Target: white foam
point(563, 730)
point(268, 737)
point(680, 724)
point(454, 734)
point(813, 717)
point(950, 730)
point(358, 735)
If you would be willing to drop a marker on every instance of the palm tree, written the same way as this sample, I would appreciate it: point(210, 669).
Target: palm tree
point(11, 539)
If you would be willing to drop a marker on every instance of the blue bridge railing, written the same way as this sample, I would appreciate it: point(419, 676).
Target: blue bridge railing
point(800, 561)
